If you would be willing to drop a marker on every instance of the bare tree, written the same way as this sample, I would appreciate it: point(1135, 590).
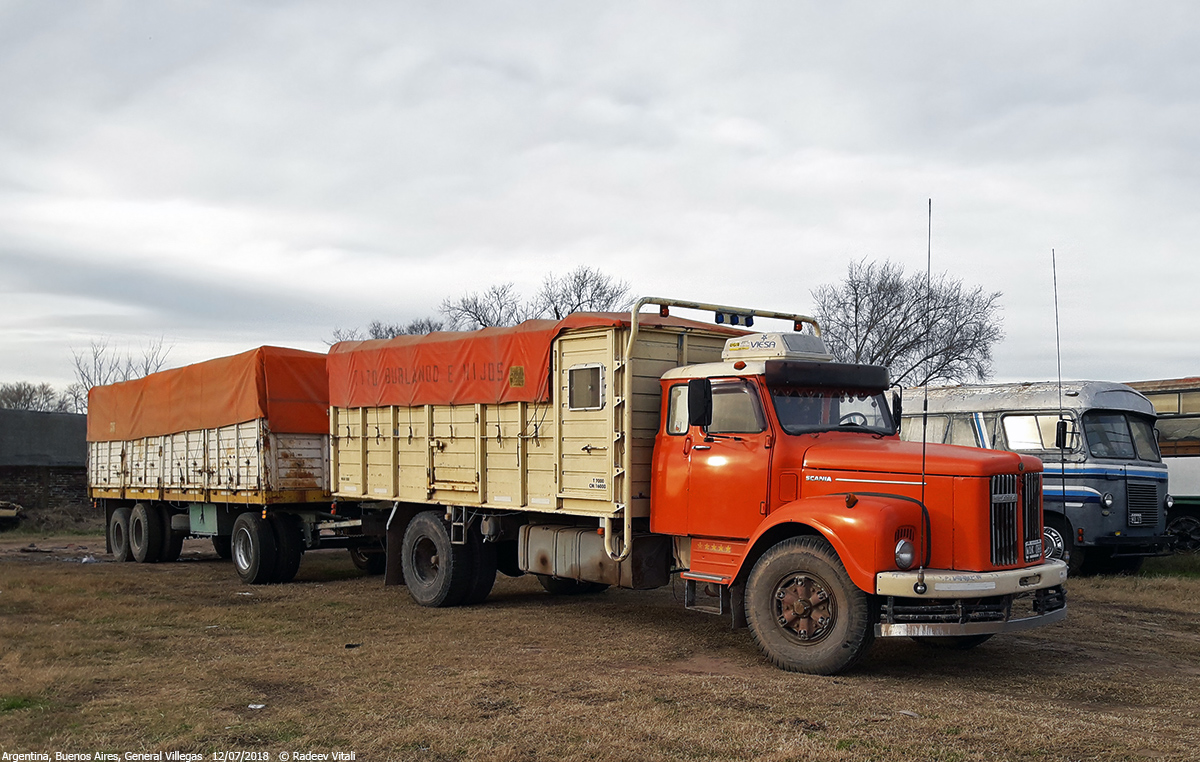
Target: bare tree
point(940, 331)
point(377, 329)
point(498, 306)
point(23, 395)
point(584, 289)
point(102, 364)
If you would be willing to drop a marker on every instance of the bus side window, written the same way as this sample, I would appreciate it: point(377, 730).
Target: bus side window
point(910, 429)
point(962, 431)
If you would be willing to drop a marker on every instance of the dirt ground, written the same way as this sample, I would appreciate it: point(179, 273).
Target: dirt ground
point(100, 656)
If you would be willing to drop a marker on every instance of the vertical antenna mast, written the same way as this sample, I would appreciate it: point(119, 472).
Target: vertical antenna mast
point(925, 557)
point(1060, 428)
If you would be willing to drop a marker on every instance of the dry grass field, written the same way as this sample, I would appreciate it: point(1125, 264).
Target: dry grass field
point(126, 657)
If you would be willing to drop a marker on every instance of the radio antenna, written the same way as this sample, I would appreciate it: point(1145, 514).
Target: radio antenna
point(925, 557)
point(1060, 428)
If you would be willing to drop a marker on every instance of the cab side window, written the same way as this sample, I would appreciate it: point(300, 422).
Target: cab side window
point(677, 410)
point(736, 409)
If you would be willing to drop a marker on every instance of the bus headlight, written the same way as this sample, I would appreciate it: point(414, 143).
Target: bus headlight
point(1169, 502)
point(906, 553)
point(1107, 500)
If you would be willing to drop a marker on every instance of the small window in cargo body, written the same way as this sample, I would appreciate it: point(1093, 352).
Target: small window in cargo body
point(677, 410)
point(585, 387)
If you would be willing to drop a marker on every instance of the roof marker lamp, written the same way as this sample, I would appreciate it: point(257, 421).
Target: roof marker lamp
point(664, 311)
point(720, 318)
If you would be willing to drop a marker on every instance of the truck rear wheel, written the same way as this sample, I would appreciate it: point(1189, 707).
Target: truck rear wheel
point(371, 562)
point(483, 568)
point(254, 552)
point(804, 611)
point(289, 546)
point(145, 533)
point(223, 545)
point(172, 542)
point(437, 573)
point(118, 534)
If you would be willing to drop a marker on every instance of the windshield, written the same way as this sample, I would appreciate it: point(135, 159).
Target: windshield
point(802, 410)
point(1113, 434)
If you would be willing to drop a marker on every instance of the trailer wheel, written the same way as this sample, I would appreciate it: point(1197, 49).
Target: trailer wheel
point(289, 546)
point(1058, 543)
point(223, 545)
point(371, 563)
point(560, 586)
point(172, 543)
point(483, 568)
point(118, 534)
point(145, 533)
point(254, 551)
point(1184, 528)
point(804, 611)
point(437, 573)
point(953, 642)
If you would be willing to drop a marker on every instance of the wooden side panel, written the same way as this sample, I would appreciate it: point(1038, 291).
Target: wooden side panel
point(298, 462)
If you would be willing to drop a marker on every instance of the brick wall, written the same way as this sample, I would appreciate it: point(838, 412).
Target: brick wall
point(52, 496)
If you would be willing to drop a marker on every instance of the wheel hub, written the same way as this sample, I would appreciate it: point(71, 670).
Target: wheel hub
point(803, 608)
point(1053, 543)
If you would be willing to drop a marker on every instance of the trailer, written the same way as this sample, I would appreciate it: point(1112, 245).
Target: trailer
point(235, 449)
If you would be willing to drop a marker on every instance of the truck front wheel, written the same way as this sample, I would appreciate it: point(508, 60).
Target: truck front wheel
point(437, 573)
point(804, 611)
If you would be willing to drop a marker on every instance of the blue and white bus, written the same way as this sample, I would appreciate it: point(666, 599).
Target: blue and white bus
point(1105, 495)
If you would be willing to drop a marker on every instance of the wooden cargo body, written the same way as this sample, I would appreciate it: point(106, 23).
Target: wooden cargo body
point(562, 453)
point(249, 429)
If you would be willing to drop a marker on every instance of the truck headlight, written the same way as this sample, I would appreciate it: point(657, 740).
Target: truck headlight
point(1108, 500)
point(906, 553)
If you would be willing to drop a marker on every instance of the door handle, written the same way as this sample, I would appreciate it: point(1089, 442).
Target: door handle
point(701, 447)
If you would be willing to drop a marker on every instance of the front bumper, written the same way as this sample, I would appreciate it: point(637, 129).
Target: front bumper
point(1126, 545)
point(958, 603)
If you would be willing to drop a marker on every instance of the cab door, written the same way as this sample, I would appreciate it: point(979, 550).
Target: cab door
point(729, 464)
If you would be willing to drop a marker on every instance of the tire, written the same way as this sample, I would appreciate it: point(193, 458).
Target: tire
point(1058, 543)
point(954, 642)
point(118, 534)
point(289, 546)
point(254, 551)
point(483, 568)
point(172, 542)
point(1184, 528)
point(145, 533)
point(830, 627)
point(437, 573)
point(560, 586)
point(372, 563)
point(223, 545)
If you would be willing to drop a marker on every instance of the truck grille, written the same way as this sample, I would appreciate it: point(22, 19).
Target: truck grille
point(1143, 504)
point(1016, 519)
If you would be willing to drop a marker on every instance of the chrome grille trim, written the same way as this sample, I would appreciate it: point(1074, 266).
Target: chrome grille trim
point(1031, 508)
point(1006, 530)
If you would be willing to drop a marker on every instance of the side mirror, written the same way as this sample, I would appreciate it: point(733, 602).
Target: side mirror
point(1060, 434)
point(897, 409)
point(700, 403)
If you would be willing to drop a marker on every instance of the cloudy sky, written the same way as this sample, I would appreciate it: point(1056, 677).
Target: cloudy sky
point(226, 175)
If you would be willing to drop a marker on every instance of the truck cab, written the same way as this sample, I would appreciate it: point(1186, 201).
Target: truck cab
point(792, 499)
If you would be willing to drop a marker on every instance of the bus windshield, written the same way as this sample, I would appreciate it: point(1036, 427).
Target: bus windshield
point(803, 410)
point(1114, 434)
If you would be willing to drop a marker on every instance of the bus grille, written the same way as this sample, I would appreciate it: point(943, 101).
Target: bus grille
point(1016, 519)
point(1143, 504)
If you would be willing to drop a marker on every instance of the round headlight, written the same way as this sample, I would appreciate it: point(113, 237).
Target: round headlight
point(906, 553)
point(1108, 500)
point(1169, 502)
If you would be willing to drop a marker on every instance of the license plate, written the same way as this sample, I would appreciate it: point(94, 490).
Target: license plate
point(1033, 549)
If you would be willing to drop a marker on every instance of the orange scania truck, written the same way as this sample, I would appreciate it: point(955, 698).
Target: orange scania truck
point(620, 449)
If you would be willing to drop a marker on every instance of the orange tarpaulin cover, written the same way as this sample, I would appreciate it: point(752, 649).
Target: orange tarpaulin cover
point(288, 387)
point(488, 366)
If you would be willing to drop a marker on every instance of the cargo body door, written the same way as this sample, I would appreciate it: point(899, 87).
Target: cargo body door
point(586, 404)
